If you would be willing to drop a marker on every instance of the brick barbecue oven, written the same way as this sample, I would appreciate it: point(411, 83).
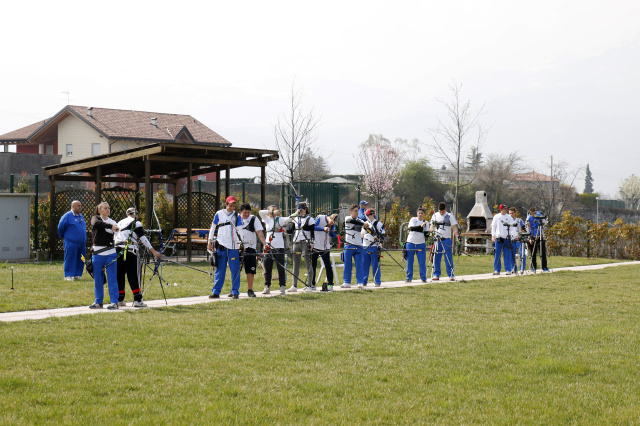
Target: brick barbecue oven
point(478, 233)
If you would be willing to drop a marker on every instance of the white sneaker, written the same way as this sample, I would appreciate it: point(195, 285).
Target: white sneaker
point(77, 278)
point(69, 278)
point(360, 286)
point(113, 306)
point(283, 289)
point(307, 289)
point(293, 289)
point(329, 288)
point(346, 285)
point(139, 304)
point(378, 285)
point(267, 290)
point(122, 303)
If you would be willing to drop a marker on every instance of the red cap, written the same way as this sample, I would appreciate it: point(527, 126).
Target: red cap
point(231, 199)
point(368, 212)
point(503, 206)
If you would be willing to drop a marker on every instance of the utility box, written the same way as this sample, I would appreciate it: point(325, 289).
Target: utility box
point(15, 220)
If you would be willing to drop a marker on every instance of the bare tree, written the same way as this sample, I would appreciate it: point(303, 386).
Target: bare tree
point(629, 191)
point(311, 167)
point(295, 137)
point(555, 193)
point(453, 137)
point(497, 177)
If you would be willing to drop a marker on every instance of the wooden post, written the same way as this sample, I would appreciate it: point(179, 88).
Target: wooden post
point(217, 190)
point(137, 199)
point(189, 208)
point(98, 185)
point(263, 187)
point(148, 192)
point(227, 182)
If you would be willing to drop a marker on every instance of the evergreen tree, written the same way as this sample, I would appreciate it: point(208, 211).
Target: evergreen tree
point(588, 182)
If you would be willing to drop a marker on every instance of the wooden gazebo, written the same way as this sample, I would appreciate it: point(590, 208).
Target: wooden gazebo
point(160, 163)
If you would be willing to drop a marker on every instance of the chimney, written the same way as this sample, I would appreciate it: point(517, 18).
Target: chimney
point(90, 112)
point(154, 121)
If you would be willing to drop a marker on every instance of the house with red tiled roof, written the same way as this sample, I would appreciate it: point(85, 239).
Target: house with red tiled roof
point(532, 180)
point(77, 132)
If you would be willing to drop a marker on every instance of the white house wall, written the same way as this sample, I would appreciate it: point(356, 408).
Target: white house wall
point(74, 131)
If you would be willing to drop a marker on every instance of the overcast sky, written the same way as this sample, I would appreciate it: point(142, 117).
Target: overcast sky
point(557, 78)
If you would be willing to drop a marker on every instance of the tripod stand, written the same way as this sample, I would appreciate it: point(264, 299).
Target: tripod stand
point(539, 243)
point(439, 248)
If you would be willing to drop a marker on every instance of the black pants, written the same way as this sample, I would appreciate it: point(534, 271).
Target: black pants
point(130, 268)
point(275, 255)
point(538, 245)
point(326, 259)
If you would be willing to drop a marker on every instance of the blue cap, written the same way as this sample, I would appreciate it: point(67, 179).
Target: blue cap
point(364, 202)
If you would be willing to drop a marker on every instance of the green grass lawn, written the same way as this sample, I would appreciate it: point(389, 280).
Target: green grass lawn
point(42, 285)
point(552, 348)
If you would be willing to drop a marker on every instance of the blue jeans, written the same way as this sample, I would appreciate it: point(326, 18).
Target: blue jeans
point(353, 254)
point(370, 259)
point(99, 263)
point(443, 247)
point(422, 259)
point(73, 264)
point(232, 257)
point(501, 247)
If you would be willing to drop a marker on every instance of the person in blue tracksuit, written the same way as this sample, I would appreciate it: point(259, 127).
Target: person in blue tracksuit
point(361, 210)
point(500, 236)
point(371, 256)
point(353, 251)
point(72, 228)
point(416, 245)
point(224, 237)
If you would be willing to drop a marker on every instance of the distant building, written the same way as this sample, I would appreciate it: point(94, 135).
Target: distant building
point(77, 132)
point(532, 180)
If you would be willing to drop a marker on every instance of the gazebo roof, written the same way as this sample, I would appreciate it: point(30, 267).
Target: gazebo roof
point(166, 159)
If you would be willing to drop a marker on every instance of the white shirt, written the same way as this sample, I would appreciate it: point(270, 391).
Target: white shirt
point(110, 231)
point(498, 225)
point(122, 236)
point(376, 230)
point(352, 231)
point(274, 229)
point(444, 231)
point(249, 238)
point(227, 234)
point(322, 240)
point(416, 237)
point(301, 235)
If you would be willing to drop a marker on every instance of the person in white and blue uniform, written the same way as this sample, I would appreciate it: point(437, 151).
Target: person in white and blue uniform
point(324, 230)
point(371, 256)
point(500, 230)
point(223, 236)
point(353, 251)
point(516, 245)
point(416, 245)
point(442, 225)
point(535, 223)
point(72, 228)
point(302, 245)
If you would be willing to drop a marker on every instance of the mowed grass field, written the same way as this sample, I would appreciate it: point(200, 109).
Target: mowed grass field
point(42, 285)
point(552, 348)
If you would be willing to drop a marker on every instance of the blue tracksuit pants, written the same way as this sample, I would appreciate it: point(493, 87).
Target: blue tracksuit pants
point(370, 260)
point(353, 254)
point(232, 257)
point(73, 264)
point(503, 246)
point(99, 263)
point(443, 247)
point(422, 259)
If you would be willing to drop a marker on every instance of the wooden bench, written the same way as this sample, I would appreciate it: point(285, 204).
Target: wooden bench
point(198, 236)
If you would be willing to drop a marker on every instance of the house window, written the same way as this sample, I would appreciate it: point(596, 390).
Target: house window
point(48, 149)
point(69, 150)
point(95, 149)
